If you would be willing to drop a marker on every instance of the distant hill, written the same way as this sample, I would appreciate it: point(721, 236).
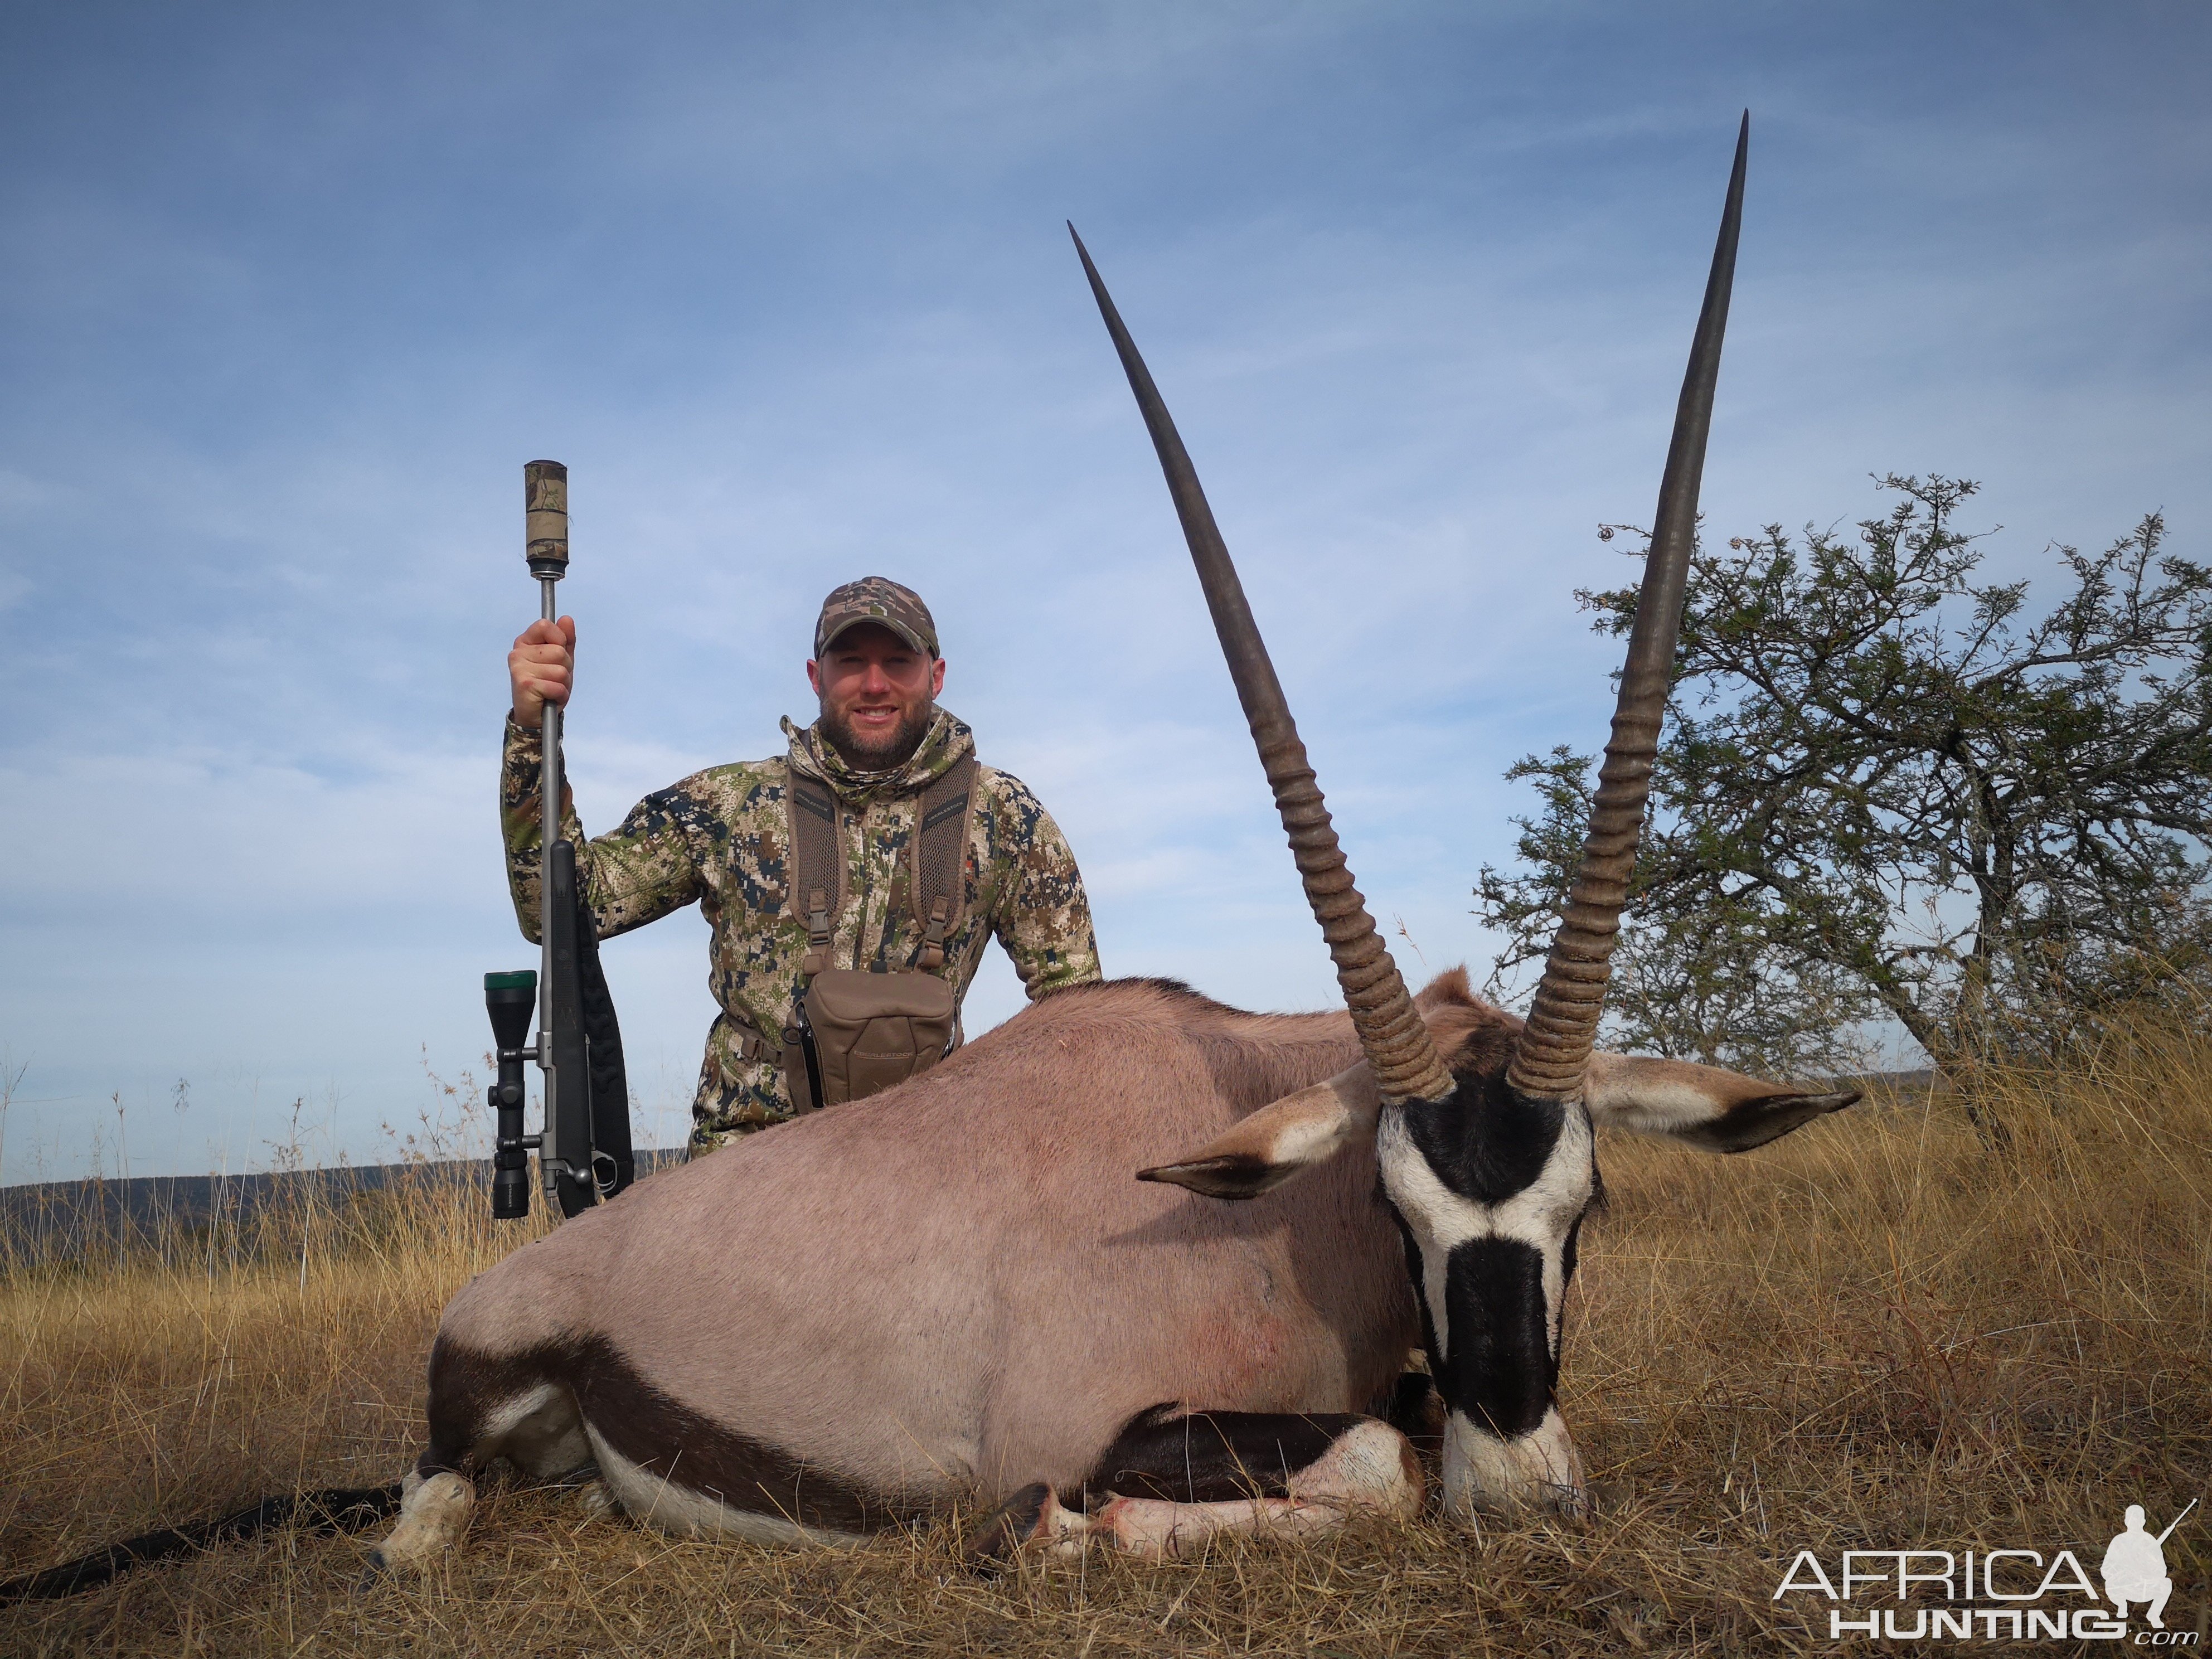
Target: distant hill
point(43, 1218)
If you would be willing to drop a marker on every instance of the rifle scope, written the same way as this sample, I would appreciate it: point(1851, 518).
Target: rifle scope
point(510, 998)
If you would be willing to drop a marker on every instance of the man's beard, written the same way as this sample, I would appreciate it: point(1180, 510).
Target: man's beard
point(888, 752)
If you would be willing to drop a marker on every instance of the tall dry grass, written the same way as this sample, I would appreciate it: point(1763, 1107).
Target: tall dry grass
point(1890, 1330)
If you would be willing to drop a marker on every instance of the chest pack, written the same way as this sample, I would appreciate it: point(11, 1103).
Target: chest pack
point(855, 1031)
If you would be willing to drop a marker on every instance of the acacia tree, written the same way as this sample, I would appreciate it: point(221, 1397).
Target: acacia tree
point(1885, 791)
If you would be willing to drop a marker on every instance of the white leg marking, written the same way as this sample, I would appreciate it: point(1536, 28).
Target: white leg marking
point(541, 1432)
point(432, 1517)
point(1061, 1530)
point(662, 1504)
point(504, 1418)
point(1162, 1531)
point(1371, 1469)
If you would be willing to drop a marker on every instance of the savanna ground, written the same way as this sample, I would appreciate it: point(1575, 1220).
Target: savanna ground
point(1889, 1330)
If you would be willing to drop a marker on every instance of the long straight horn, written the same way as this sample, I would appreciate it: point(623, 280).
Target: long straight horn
point(1396, 1043)
point(1553, 1052)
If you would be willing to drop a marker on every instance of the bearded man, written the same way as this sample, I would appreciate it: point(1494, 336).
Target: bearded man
point(839, 867)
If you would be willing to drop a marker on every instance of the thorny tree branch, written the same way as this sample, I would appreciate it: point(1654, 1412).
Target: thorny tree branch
point(1863, 735)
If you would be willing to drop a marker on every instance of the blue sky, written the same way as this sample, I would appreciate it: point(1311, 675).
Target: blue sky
point(288, 294)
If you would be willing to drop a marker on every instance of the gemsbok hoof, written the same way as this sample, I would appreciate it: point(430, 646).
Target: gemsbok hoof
point(596, 1501)
point(432, 1518)
point(1026, 1517)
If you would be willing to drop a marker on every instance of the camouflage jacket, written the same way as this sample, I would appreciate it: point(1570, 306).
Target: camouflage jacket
point(719, 837)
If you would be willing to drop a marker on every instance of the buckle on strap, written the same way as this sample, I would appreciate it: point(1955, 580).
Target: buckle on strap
point(816, 958)
point(932, 941)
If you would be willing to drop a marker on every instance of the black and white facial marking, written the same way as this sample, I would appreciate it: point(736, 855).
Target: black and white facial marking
point(1491, 1189)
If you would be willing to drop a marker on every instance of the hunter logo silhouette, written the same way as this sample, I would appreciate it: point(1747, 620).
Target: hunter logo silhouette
point(2135, 1566)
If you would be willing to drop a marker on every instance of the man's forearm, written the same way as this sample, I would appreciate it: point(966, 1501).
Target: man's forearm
point(641, 871)
point(520, 822)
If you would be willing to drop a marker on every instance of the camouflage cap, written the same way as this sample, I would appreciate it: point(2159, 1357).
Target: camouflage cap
point(877, 599)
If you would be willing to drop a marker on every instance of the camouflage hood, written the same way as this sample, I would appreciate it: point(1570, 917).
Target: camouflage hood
point(947, 739)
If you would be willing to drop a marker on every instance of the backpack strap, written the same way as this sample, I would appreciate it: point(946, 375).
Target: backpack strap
point(816, 888)
point(939, 886)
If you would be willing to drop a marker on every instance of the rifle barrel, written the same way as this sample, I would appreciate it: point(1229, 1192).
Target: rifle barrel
point(2178, 1519)
point(545, 544)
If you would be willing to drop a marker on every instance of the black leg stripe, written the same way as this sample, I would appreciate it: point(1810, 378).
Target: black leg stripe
point(1213, 1457)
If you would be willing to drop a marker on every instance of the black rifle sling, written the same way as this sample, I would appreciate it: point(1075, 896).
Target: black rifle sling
point(568, 1115)
point(594, 1119)
point(611, 1134)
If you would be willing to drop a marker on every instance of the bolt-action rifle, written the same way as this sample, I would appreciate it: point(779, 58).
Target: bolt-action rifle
point(584, 1152)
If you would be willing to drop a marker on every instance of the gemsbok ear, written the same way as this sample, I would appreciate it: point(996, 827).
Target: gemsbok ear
point(1281, 1141)
point(1719, 1111)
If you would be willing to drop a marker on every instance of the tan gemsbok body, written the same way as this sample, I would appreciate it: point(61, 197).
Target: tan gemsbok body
point(962, 1291)
point(954, 1293)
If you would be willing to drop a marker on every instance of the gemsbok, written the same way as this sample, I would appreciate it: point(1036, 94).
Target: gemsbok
point(1134, 1266)
point(955, 1293)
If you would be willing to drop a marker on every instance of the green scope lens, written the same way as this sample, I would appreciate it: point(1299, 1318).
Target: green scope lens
point(521, 979)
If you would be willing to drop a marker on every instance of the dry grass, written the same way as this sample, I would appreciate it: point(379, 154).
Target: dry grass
point(1880, 1332)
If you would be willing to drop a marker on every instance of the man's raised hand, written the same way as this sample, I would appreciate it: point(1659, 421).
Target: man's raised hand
point(542, 667)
